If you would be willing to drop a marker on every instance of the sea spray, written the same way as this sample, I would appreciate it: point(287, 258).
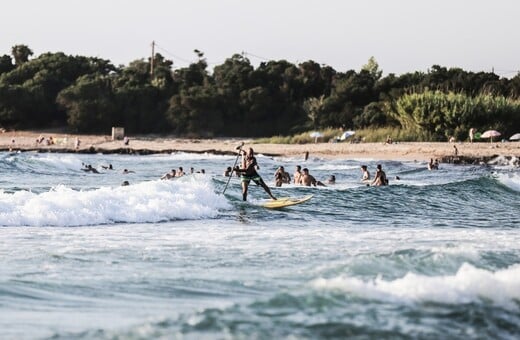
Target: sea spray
point(153, 201)
point(468, 285)
point(510, 180)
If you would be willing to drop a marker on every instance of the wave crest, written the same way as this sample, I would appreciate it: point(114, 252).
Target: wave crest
point(469, 284)
point(146, 202)
point(510, 180)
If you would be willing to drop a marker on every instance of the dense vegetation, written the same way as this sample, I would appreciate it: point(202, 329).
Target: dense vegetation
point(236, 99)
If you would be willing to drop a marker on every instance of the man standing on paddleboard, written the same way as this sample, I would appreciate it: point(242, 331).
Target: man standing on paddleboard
point(248, 173)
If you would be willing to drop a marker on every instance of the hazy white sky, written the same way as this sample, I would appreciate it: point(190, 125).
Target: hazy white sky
point(403, 35)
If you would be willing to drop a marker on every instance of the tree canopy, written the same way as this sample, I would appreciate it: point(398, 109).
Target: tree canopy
point(277, 97)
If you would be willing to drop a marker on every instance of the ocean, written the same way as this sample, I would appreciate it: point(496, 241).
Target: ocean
point(436, 254)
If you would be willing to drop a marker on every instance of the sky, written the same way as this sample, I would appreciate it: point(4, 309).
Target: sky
point(402, 35)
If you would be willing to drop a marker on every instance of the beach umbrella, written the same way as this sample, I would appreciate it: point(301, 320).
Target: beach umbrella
point(316, 135)
point(347, 134)
point(490, 134)
point(516, 136)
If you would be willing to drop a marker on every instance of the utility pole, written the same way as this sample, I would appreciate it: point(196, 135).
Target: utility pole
point(153, 58)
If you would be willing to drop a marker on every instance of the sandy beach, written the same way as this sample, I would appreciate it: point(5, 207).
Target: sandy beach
point(26, 141)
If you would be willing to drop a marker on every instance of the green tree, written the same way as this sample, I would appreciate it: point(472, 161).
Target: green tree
point(513, 88)
point(193, 75)
point(261, 112)
point(142, 98)
point(312, 107)
point(15, 105)
point(350, 93)
point(234, 75)
point(281, 88)
point(232, 78)
point(373, 115)
point(6, 64)
point(196, 111)
point(372, 67)
point(162, 77)
point(42, 78)
point(141, 109)
point(89, 104)
point(21, 54)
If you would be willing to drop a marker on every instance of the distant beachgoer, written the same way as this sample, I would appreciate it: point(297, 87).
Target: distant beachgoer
point(126, 140)
point(297, 174)
point(286, 177)
point(365, 174)
point(169, 175)
point(248, 172)
point(236, 170)
point(306, 155)
point(436, 164)
point(281, 176)
point(471, 134)
point(431, 165)
point(278, 178)
point(125, 183)
point(180, 172)
point(308, 180)
point(228, 171)
point(380, 177)
point(331, 180)
point(126, 171)
point(388, 140)
point(192, 170)
point(89, 168)
point(107, 167)
point(77, 143)
point(451, 139)
point(455, 150)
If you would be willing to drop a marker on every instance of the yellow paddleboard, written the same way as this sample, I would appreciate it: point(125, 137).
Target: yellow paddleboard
point(283, 202)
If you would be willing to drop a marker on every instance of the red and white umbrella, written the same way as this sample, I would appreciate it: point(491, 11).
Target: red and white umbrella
point(490, 134)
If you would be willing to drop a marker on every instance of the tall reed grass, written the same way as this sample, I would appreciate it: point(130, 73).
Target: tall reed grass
point(439, 115)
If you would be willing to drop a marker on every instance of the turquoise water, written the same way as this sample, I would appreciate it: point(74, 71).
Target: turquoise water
point(434, 255)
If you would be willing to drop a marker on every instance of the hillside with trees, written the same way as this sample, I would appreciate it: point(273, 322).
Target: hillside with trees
point(90, 95)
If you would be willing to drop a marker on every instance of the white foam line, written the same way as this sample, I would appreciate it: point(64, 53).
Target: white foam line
point(469, 284)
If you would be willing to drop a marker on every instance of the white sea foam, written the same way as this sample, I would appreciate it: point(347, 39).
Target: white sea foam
point(332, 167)
point(469, 284)
point(155, 201)
point(468, 251)
point(504, 161)
point(511, 180)
point(197, 156)
point(295, 159)
point(63, 162)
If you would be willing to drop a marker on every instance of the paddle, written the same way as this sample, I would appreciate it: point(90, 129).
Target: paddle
point(239, 148)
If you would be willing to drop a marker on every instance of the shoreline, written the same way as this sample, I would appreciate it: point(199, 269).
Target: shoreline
point(467, 153)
